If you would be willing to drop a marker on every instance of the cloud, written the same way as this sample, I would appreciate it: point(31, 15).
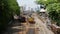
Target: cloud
point(27, 3)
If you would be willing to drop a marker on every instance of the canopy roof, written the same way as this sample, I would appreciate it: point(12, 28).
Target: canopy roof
point(42, 10)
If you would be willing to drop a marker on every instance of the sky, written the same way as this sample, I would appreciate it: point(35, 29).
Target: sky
point(28, 4)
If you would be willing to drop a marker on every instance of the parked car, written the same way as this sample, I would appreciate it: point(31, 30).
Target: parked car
point(31, 20)
point(22, 19)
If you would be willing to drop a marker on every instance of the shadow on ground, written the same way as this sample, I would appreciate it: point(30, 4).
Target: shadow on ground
point(15, 27)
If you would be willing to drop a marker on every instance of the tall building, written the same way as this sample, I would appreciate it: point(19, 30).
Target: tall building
point(21, 9)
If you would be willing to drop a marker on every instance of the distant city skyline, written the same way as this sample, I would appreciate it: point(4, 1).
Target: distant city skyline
point(28, 4)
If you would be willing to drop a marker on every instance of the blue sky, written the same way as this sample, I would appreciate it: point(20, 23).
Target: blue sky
point(28, 3)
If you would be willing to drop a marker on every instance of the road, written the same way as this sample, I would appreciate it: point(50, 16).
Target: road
point(38, 28)
point(42, 28)
point(20, 28)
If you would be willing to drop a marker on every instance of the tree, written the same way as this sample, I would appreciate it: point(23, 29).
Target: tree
point(14, 6)
point(8, 7)
point(53, 9)
point(46, 2)
point(54, 12)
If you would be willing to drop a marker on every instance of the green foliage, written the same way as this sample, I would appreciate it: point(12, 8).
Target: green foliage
point(46, 2)
point(8, 7)
point(53, 9)
point(54, 12)
point(14, 6)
